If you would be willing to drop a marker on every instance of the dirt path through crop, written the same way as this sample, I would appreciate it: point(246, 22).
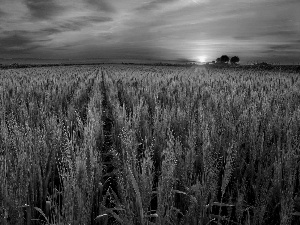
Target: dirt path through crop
point(109, 179)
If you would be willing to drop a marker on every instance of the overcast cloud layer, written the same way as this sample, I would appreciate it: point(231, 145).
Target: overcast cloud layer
point(263, 30)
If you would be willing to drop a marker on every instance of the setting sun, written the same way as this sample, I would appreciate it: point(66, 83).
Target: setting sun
point(202, 58)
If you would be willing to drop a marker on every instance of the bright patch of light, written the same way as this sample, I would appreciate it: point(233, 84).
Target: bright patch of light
point(202, 59)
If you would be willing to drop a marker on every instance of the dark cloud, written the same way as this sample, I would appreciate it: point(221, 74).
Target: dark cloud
point(102, 5)
point(94, 19)
point(1, 13)
point(281, 34)
point(25, 42)
point(43, 9)
point(14, 41)
point(52, 30)
point(293, 46)
point(18, 44)
point(65, 47)
point(242, 38)
point(153, 4)
point(281, 47)
point(22, 36)
point(76, 24)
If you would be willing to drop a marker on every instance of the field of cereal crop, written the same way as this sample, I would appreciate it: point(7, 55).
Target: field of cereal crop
point(132, 144)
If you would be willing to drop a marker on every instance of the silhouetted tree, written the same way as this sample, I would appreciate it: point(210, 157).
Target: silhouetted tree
point(224, 59)
point(218, 60)
point(234, 60)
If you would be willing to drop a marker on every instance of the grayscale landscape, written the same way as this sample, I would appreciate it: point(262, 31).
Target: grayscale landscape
point(157, 112)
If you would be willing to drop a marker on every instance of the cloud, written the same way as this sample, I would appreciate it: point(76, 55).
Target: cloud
point(1, 13)
point(154, 4)
point(43, 9)
point(14, 40)
point(19, 44)
point(291, 46)
point(76, 24)
point(95, 19)
point(102, 5)
point(150, 28)
point(280, 34)
point(283, 33)
point(280, 47)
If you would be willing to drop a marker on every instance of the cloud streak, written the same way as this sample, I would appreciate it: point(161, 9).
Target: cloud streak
point(76, 24)
point(154, 4)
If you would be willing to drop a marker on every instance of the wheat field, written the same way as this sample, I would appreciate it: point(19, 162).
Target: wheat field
point(132, 144)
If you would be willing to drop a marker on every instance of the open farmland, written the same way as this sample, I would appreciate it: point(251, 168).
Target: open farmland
point(121, 144)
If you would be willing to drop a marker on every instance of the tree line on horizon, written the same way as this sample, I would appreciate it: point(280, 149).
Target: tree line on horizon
point(226, 59)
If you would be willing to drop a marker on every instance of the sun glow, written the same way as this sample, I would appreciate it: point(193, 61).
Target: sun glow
point(202, 59)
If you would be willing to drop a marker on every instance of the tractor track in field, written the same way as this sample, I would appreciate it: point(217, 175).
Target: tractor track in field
point(109, 179)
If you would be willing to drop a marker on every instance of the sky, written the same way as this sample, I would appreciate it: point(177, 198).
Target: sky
point(197, 30)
